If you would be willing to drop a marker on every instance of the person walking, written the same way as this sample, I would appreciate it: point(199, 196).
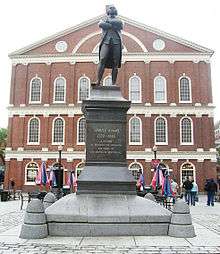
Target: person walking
point(174, 188)
point(211, 188)
point(193, 192)
point(187, 185)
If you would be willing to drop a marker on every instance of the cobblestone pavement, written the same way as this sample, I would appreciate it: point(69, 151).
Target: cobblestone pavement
point(207, 216)
point(10, 215)
point(206, 221)
point(10, 220)
point(105, 249)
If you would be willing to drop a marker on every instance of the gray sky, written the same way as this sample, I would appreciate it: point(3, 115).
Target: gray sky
point(26, 21)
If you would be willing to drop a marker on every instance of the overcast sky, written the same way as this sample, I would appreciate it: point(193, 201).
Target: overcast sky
point(26, 21)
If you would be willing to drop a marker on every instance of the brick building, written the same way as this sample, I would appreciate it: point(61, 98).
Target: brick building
point(217, 134)
point(167, 79)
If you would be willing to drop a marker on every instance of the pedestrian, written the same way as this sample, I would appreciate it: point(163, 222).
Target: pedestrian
point(211, 188)
point(193, 193)
point(12, 187)
point(174, 188)
point(187, 185)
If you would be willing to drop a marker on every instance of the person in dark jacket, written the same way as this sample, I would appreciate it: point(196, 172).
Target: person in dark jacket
point(211, 188)
point(187, 185)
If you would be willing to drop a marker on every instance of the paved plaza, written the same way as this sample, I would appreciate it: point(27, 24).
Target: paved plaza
point(205, 219)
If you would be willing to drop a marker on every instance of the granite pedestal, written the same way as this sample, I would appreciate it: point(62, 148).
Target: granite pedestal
point(106, 215)
point(106, 203)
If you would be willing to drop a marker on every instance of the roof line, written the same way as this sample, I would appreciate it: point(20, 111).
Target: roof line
point(55, 36)
point(167, 35)
point(127, 20)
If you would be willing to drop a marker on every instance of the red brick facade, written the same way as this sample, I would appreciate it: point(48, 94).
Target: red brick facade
point(177, 59)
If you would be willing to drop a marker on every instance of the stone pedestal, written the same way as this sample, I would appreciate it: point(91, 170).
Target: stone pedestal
point(106, 215)
point(181, 221)
point(34, 225)
point(106, 203)
point(106, 166)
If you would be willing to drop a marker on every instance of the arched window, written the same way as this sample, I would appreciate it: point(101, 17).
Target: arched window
point(185, 89)
point(136, 169)
point(35, 90)
point(59, 90)
point(83, 88)
point(31, 170)
point(58, 131)
point(107, 81)
point(135, 89)
point(33, 131)
point(135, 131)
point(160, 131)
point(160, 90)
point(186, 131)
point(81, 131)
point(79, 168)
point(187, 170)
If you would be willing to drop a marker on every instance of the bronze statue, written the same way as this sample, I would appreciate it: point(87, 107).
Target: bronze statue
point(110, 49)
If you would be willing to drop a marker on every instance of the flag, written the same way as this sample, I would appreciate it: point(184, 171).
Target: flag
point(155, 163)
point(52, 178)
point(75, 182)
point(44, 178)
point(157, 178)
point(38, 177)
point(41, 178)
point(71, 179)
point(166, 188)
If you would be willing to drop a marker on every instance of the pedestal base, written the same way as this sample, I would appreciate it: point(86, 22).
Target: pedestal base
point(106, 215)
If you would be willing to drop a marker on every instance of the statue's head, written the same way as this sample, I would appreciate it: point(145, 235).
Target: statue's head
point(111, 10)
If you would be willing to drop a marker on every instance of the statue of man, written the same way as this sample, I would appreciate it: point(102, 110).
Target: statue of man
point(110, 49)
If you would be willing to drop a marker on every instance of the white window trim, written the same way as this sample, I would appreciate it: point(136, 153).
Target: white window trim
point(190, 89)
point(160, 143)
point(33, 143)
point(135, 143)
point(181, 169)
point(79, 86)
point(25, 174)
point(109, 76)
point(58, 143)
point(77, 132)
point(54, 90)
point(129, 82)
point(192, 133)
point(165, 82)
point(30, 90)
point(135, 162)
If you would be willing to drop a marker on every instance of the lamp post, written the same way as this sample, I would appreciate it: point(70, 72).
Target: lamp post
point(59, 177)
point(155, 151)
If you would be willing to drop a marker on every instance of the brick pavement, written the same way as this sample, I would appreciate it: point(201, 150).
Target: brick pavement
point(206, 221)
